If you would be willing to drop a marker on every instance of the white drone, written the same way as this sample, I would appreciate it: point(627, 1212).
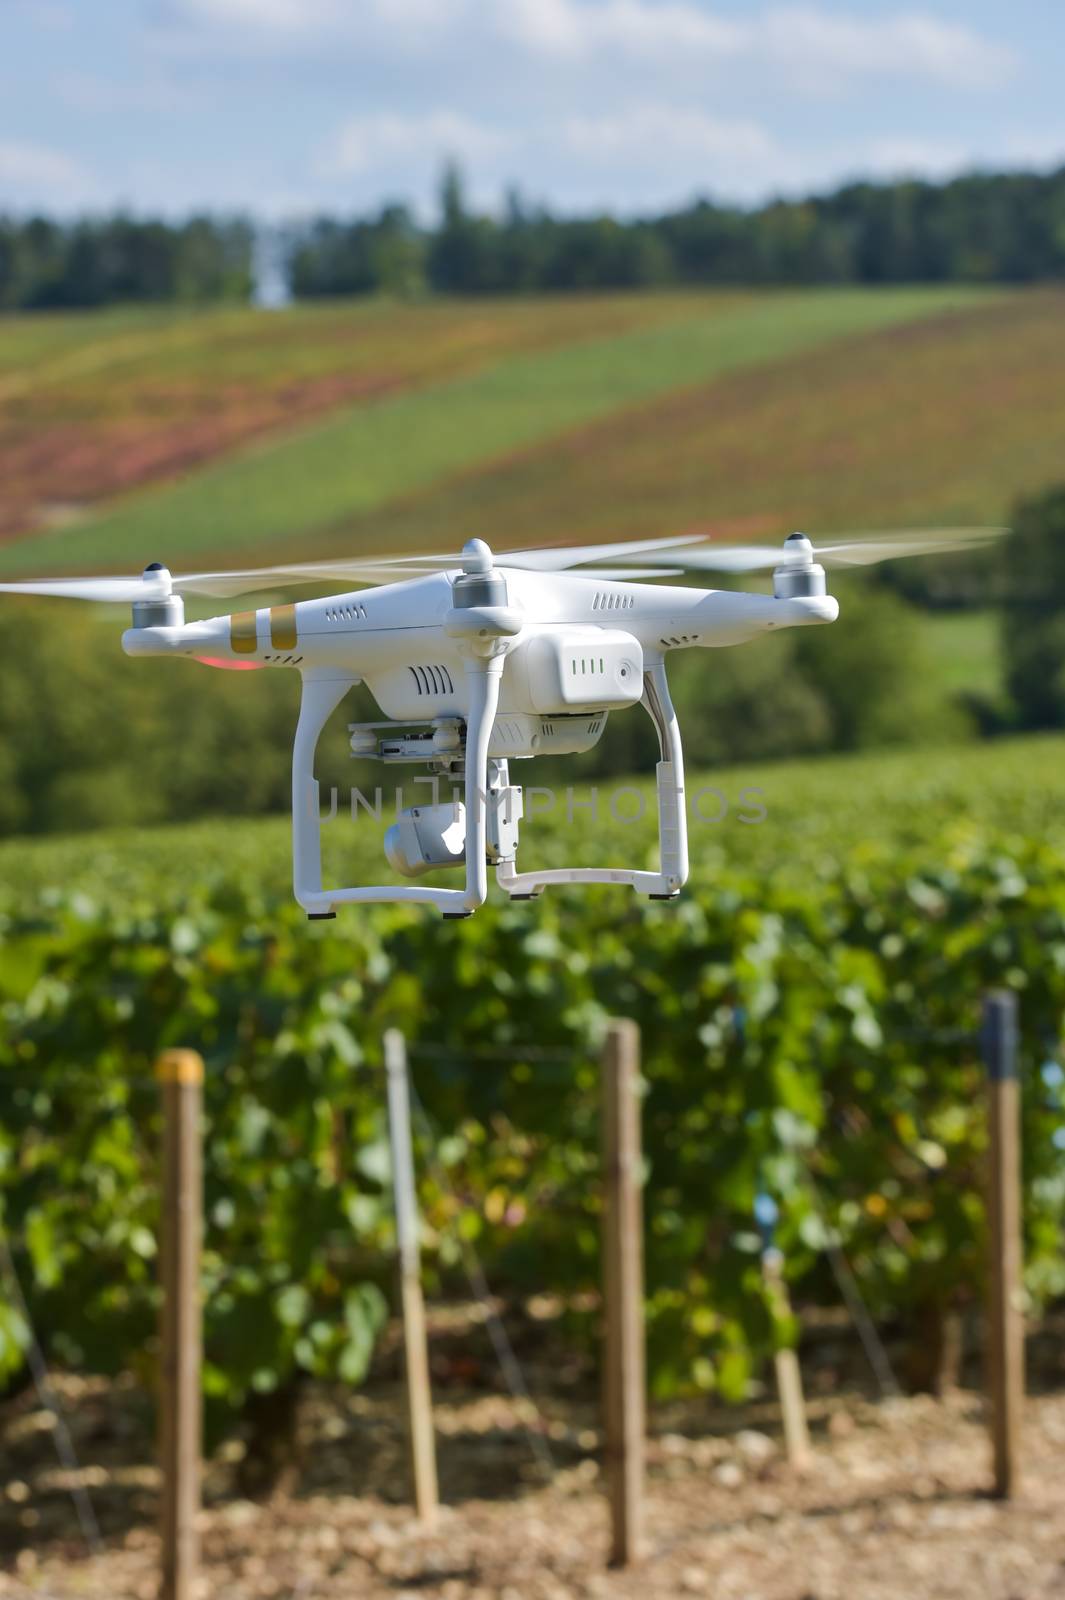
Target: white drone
point(476, 660)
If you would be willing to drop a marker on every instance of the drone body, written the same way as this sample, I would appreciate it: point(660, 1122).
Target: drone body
point(489, 663)
point(476, 661)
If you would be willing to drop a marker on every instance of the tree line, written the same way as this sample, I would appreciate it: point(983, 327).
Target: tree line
point(981, 228)
point(46, 264)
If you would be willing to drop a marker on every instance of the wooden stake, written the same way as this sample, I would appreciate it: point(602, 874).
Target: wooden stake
point(788, 1372)
point(415, 1341)
point(623, 1353)
point(180, 1074)
point(1005, 1342)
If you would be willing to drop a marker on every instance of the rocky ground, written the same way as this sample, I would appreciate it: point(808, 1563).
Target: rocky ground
point(894, 1505)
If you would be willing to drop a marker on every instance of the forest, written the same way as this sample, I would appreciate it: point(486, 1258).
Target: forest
point(978, 228)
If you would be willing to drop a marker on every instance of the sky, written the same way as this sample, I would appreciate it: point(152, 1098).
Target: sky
point(281, 108)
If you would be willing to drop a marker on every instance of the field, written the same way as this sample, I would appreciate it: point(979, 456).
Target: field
point(320, 429)
point(884, 802)
point(92, 405)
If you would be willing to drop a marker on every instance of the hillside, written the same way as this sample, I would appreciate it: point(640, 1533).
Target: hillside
point(366, 425)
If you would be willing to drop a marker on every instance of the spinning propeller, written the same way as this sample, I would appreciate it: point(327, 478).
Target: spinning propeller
point(691, 553)
point(861, 550)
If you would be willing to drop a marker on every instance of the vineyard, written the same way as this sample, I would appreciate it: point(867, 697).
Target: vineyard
point(809, 1016)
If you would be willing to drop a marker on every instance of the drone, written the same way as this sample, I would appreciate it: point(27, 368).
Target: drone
point(476, 660)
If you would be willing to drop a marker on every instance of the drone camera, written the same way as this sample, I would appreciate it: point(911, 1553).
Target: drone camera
point(425, 838)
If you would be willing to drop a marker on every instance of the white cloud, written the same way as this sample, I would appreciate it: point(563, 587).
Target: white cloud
point(387, 140)
point(328, 20)
point(654, 153)
point(627, 27)
point(821, 46)
point(650, 134)
point(907, 45)
point(801, 37)
point(946, 158)
point(915, 158)
point(29, 168)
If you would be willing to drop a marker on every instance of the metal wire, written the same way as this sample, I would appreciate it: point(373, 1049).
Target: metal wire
point(847, 1284)
point(502, 1053)
point(513, 1376)
point(64, 1443)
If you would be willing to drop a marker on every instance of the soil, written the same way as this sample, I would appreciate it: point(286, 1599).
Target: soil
point(894, 1505)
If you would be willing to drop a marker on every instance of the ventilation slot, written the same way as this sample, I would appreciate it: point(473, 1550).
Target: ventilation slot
point(355, 613)
point(432, 681)
point(679, 639)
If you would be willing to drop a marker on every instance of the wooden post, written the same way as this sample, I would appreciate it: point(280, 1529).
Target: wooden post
point(623, 1352)
point(788, 1372)
point(415, 1341)
point(1005, 1342)
point(180, 1074)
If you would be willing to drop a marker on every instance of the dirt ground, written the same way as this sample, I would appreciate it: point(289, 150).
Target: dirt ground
point(893, 1507)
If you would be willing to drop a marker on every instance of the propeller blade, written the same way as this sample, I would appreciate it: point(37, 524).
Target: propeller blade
point(395, 569)
point(224, 584)
point(862, 550)
point(867, 549)
point(561, 558)
point(731, 558)
point(680, 553)
point(108, 590)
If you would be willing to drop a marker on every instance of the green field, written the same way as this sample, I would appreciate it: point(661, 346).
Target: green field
point(879, 803)
point(445, 397)
point(965, 651)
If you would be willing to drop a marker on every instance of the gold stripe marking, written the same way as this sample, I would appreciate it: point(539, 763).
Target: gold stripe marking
point(283, 627)
point(243, 638)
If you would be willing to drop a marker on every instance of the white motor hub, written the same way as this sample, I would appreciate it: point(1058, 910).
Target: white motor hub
point(570, 669)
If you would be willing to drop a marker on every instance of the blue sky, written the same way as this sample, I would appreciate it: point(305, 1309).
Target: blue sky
point(282, 107)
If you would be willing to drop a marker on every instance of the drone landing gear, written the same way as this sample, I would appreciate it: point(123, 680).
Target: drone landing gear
point(666, 883)
point(321, 696)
